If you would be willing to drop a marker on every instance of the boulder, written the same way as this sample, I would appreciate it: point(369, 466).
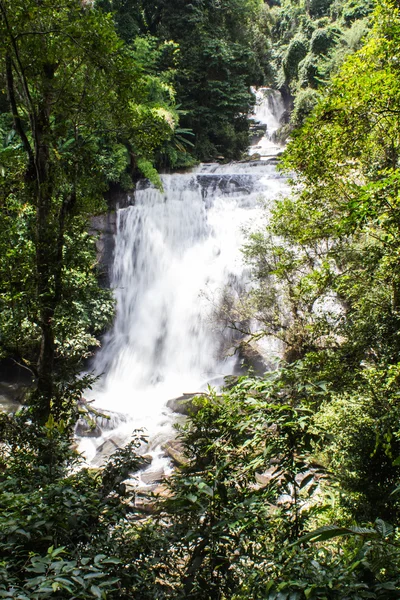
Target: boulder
point(175, 450)
point(85, 429)
point(152, 477)
point(148, 503)
point(111, 445)
point(96, 420)
point(251, 358)
point(183, 405)
point(265, 478)
point(12, 395)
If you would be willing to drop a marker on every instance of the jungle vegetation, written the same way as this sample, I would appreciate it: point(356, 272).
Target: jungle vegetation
point(289, 489)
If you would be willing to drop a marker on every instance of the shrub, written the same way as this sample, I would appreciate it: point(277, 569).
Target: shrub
point(308, 72)
point(319, 8)
point(304, 103)
point(296, 51)
point(323, 40)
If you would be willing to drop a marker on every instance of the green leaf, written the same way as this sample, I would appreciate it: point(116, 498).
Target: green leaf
point(96, 591)
point(331, 531)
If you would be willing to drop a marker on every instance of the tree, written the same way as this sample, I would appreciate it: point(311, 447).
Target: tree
point(75, 94)
point(328, 264)
point(223, 50)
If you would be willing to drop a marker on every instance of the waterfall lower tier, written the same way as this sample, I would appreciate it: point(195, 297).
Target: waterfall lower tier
point(177, 254)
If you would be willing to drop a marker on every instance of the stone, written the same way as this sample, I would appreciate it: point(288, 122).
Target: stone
point(84, 429)
point(105, 420)
point(252, 358)
point(104, 451)
point(150, 477)
point(111, 445)
point(15, 382)
point(184, 404)
point(103, 227)
point(175, 450)
point(148, 503)
point(148, 458)
point(265, 478)
point(12, 395)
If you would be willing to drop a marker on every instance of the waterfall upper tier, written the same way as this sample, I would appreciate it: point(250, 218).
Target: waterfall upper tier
point(269, 111)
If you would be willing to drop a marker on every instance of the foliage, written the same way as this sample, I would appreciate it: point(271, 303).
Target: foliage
point(290, 485)
point(60, 529)
point(239, 509)
point(322, 40)
point(82, 109)
point(311, 41)
point(222, 51)
point(295, 53)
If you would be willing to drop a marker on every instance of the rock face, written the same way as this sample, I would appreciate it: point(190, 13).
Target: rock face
point(15, 382)
point(252, 358)
point(104, 227)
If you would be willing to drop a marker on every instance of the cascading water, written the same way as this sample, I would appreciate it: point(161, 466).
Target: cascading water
point(176, 253)
point(269, 110)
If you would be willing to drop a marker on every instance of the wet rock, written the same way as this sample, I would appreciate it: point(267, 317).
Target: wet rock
point(15, 383)
point(148, 458)
point(150, 477)
point(274, 160)
point(162, 491)
point(104, 451)
point(265, 478)
point(104, 227)
point(184, 405)
point(109, 420)
point(175, 450)
point(148, 503)
point(102, 420)
point(249, 158)
point(85, 429)
point(12, 395)
point(111, 445)
point(252, 358)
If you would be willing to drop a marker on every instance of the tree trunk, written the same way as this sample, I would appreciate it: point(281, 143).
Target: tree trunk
point(47, 265)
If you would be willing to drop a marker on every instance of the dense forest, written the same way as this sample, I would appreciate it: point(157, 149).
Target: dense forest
point(288, 485)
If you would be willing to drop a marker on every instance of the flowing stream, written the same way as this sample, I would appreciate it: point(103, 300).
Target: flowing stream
point(176, 254)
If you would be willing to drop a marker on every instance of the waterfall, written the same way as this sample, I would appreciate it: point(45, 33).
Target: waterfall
point(269, 110)
point(176, 254)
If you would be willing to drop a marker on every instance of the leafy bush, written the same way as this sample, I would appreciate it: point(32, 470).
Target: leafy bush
point(60, 528)
point(323, 40)
point(309, 75)
point(356, 9)
point(304, 103)
point(295, 53)
point(319, 8)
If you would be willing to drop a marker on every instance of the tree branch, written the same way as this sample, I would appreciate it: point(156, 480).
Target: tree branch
point(14, 109)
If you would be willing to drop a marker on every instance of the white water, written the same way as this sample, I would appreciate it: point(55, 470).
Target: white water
point(269, 110)
point(176, 253)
